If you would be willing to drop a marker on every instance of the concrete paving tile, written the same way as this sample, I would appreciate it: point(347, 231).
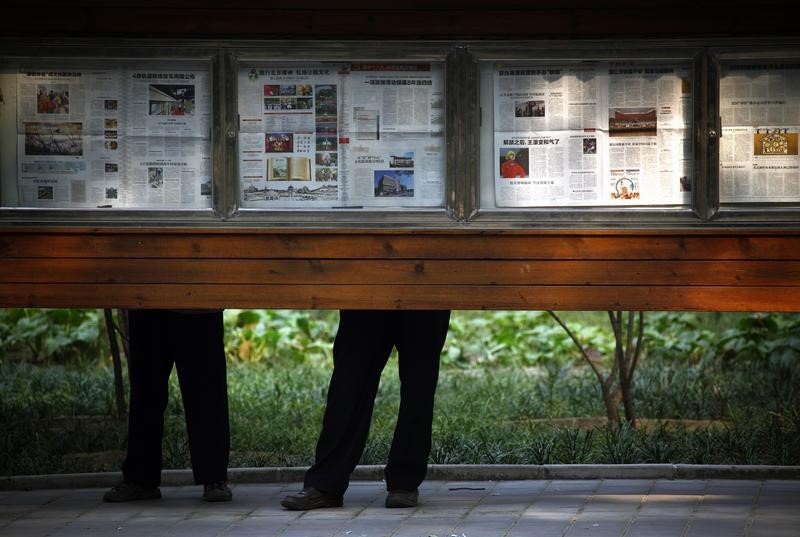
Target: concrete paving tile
point(108, 511)
point(143, 524)
point(657, 526)
point(727, 503)
point(161, 508)
point(311, 528)
point(446, 511)
point(95, 528)
point(665, 499)
point(671, 511)
point(62, 511)
point(416, 527)
point(604, 515)
point(16, 510)
point(371, 527)
point(762, 527)
point(559, 502)
point(528, 527)
point(778, 500)
point(781, 485)
point(32, 527)
point(613, 502)
point(544, 513)
point(477, 526)
point(597, 527)
point(381, 511)
point(236, 531)
point(540, 511)
point(663, 504)
point(36, 497)
point(202, 526)
point(785, 511)
point(736, 489)
point(717, 525)
point(625, 486)
point(507, 506)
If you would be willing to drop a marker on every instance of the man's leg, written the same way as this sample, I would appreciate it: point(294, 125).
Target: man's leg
point(199, 349)
point(149, 366)
point(419, 343)
point(362, 346)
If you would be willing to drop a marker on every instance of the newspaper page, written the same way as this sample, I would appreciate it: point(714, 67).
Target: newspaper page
point(547, 137)
point(600, 135)
point(167, 140)
point(649, 135)
point(289, 145)
point(760, 114)
point(67, 124)
point(89, 138)
point(393, 135)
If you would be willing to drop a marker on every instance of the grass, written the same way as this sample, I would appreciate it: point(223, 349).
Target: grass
point(483, 416)
point(510, 389)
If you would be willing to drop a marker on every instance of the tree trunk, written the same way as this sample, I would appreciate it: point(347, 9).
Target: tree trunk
point(119, 389)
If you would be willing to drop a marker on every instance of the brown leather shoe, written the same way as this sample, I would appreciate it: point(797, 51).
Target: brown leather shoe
point(402, 498)
point(310, 498)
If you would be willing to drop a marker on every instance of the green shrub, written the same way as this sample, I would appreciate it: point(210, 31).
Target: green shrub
point(52, 335)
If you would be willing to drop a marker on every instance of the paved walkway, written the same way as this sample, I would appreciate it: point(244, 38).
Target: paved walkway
point(533, 508)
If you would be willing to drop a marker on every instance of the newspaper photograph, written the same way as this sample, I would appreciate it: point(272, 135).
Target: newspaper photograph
point(760, 114)
point(81, 131)
point(603, 135)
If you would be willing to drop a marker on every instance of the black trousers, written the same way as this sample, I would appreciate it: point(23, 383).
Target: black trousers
point(361, 349)
point(194, 343)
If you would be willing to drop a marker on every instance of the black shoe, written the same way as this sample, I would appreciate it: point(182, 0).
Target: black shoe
point(131, 492)
point(402, 498)
point(217, 492)
point(310, 498)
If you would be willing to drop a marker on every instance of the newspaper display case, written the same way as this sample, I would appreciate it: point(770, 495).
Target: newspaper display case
point(328, 135)
point(93, 133)
point(758, 173)
point(590, 134)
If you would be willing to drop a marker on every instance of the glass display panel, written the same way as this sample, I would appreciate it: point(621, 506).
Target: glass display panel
point(760, 116)
point(341, 135)
point(107, 134)
point(586, 134)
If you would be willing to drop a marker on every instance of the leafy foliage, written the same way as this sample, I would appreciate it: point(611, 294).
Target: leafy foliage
point(512, 390)
point(279, 336)
point(52, 335)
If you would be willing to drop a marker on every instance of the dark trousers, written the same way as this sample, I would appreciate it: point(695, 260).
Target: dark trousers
point(361, 349)
point(194, 343)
